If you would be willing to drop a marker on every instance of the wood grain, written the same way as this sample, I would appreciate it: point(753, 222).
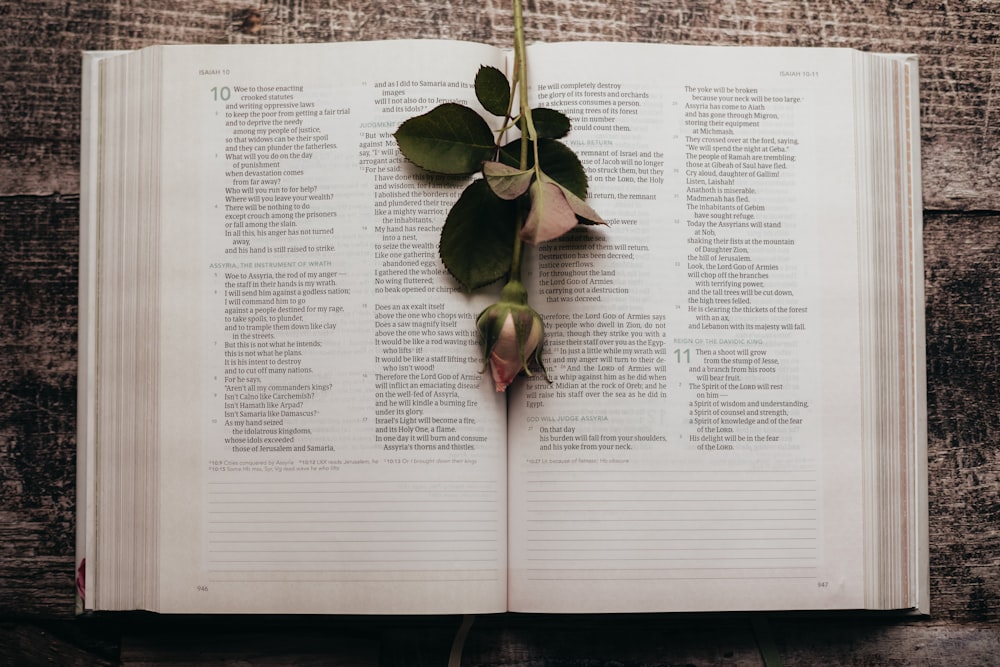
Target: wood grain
point(962, 255)
point(39, 170)
point(40, 44)
point(519, 640)
point(38, 325)
point(64, 644)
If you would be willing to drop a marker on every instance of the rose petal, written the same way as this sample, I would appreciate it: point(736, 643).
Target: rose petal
point(505, 358)
point(550, 216)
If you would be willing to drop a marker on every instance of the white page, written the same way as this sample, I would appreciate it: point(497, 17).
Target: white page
point(346, 461)
point(699, 447)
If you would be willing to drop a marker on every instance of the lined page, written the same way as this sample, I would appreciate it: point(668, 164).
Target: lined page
point(662, 524)
point(698, 448)
point(331, 445)
point(385, 530)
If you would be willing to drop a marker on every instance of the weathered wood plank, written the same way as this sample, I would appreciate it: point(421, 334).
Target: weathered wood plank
point(960, 65)
point(272, 647)
point(507, 640)
point(885, 643)
point(38, 325)
point(510, 640)
point(724, 641)
point(53, 644)
point(500, 641)
point(39, 135)
point(962, 255)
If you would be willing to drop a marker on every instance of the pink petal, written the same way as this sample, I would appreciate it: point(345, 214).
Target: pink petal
point(550, 216)
point(505, 358)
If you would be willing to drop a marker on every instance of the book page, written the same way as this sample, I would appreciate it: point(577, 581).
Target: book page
point(329, 444)
point(698, 448)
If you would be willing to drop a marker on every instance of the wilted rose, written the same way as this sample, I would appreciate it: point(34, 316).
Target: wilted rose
point(512, 334)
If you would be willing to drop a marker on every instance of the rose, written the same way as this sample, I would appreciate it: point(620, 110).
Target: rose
point(533, 185)
point(510, 355)
point(512, 334)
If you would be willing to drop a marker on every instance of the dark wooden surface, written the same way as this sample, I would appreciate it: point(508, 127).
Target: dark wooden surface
point(40, 43)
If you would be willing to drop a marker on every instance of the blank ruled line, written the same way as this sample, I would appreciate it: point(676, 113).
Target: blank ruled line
point(697, 561)
point(620, 538)
point(425, 482)
point(362, 521)
point(271, 531)
point(684, 539)
point(334, 561)
point(677, 578)
point(406, 541)
point(741, 475)
point(761, 509)
point(812, 521)
point(691, 530)
point(457, 558)
point(436, 492)
point(380, 576)
point(600, 573)
point(811, 527)
point(631, 549)
point(673, 500)
point(534, 540)
point(483, 571)
point(380, 580)
point(363, 556)
point(660, 481)
point(350, 551)
point(632, 491)
point(619, 510)
point(343, 502)
point(394, 511)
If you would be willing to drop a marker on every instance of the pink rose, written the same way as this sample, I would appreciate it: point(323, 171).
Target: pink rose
point(512, 334)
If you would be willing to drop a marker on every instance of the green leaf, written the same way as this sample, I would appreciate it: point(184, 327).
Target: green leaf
point(493, 90)
point(550, 216)
point(449, 139)
point(505, 181)
point(549, 123)
point(478, 236)
point(563, 166)
point(558, 161)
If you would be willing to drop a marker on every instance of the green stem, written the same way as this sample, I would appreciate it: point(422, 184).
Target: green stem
point(521, 64)
point(509, 117)
point(527, 128)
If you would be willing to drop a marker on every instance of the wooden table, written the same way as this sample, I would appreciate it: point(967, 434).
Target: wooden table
point(40, 44)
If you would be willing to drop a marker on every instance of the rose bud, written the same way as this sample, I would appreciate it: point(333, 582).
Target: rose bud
point(512, 334)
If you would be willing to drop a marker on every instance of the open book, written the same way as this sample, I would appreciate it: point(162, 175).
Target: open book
point(281, 404)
